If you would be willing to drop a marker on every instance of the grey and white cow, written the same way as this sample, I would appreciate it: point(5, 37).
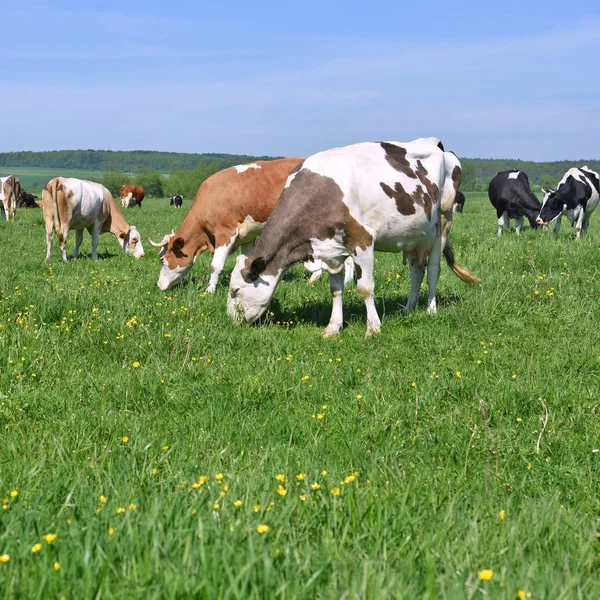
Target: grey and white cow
point(576, 196)
point(350, 202)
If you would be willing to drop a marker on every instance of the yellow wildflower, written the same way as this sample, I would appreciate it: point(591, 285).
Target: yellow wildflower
point(262, 528)
point(154, 471)
point(111, 530)
point(280, 477)
point(315, 486)
point(132, 506)
point(125, 439)
point(458, 374)
point(216, 506)
point(120, 510)
point(135, 364)
point(485, 574)
point(49, 537)
point(36, 547)
point(237, 503)
point(281, 491)
point(519, 420)
point(300, 476)
point(256, 507)
point(219, 476)
point(502, 515)
point(165, 448)
point(303, 497)
point(323, 473)
point(14, 494)
point(335, 491)
point(56, 566)
point(4, 558)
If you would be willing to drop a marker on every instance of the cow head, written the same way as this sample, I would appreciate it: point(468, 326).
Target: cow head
point(553, 207)
point(250, 290)
point(175, 260)
point(132, 242)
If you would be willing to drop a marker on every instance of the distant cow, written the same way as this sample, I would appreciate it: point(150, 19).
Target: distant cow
point(27, 200)
point(511, 196)
point(576, 197)
point(131, 195)
point(77, 204)
point(10, 188)
point(353, 201)
point(459, 203)
point(177, 201)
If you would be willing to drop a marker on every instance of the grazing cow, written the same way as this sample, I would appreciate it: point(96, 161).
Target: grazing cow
point(131, 195)
point(10, 188)
point(389, 196)
point(459, 203)
point(27, 200)
point(177, 201)
point(576, 197)
point(229, 210)
point(511, 196)
point(77, 204)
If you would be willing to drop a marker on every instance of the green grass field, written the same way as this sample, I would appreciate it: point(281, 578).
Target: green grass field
point(34, 179)
point(176, 455)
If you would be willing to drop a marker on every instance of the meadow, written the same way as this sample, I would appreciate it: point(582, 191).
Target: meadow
point(33, 179)
point(150, 448)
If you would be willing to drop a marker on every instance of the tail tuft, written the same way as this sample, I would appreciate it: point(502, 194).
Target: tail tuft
point(461, 272)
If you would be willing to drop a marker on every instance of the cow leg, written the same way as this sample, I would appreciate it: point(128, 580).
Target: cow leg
point(218, 262)
point(62, 242)
point(579, 224)
point(503, 221)
point(78, 240)
point(519, 225)
point(48, 241)
point(584, 225)
point(316, 268)
point(365, 285)
point(348, 271)
point(95, 233)
point(433, 274)
point(336, 286)
point(557, 226)
point(417, 272)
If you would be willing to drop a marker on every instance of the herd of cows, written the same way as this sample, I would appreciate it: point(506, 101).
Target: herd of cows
point(330, 211)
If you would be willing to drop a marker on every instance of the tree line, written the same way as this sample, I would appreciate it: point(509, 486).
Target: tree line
point(126, 161)
point(170, 173)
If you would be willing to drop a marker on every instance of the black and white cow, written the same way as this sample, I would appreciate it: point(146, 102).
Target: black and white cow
point(511, 196)
point(177, 201)
point(459, 203)
point(576, 196)
point(351, 202)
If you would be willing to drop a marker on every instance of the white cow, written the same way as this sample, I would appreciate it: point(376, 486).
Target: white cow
point(389, 196)
point(71, 203)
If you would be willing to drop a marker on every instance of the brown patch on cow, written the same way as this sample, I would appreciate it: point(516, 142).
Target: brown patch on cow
point(225, 200)
point(425, 195)
point(396, 157)
point(456, 177)
point(358, 270)
point(404, 201)
point(311, 207)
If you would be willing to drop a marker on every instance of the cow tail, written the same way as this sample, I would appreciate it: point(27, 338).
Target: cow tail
point(450, 187)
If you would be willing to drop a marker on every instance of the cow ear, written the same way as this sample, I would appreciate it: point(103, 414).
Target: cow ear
point(178, 243)
point(254, 269)
point(123, 234)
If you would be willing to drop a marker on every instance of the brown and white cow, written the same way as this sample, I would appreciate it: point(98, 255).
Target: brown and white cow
point(71, 203)
point(352, 201)
point(10, 188)
point(229, 210)
point(131, 195)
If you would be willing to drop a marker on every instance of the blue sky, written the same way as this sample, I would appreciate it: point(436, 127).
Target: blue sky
point(491, 79)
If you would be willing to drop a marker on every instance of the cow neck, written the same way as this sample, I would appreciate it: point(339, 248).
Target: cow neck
point(117, 224)
point(195, 236)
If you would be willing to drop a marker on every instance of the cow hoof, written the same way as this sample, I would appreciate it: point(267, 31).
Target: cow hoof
point(371, 332)
point(330, 332)
point(209, 290)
